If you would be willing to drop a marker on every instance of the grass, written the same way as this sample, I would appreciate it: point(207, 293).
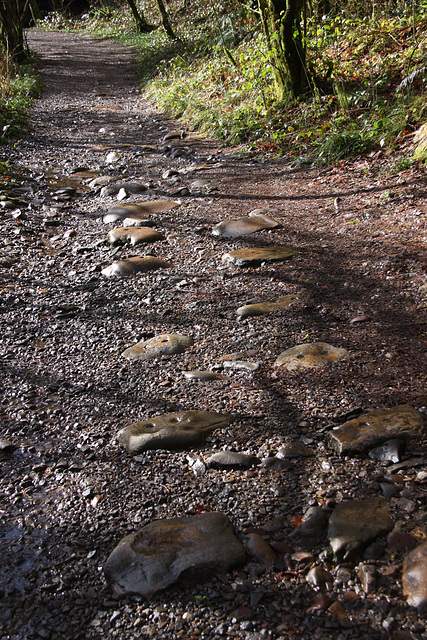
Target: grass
point(369, 78)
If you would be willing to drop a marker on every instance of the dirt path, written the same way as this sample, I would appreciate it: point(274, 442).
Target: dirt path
point(69, 490)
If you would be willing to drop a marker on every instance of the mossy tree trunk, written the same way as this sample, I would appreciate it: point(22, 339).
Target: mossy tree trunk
point(281, 21)
point(11, 30)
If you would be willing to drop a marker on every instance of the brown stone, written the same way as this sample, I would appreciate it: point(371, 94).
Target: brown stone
point(178, 550)
point(414, 577)
point(375, 427)
point(310, 356)
point(255, 257)
point(257, 221)
point(355, 523)
point(138, 210)
point(166, 344)
point(260, 549)
point(172, 431)
point(261, 308)
point(138, 264)
point(134, 235)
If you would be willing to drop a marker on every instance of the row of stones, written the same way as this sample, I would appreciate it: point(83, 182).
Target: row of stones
point(140, 556)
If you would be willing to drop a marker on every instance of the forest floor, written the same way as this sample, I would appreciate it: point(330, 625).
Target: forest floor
point(69, 489)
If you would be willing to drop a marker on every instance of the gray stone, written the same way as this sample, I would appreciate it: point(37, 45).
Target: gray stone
point(375, 427)
point(310, 355)
point(204, 376)
point(241, 365)
point(6, 446)
point(196, 464)
point(389, 451)
point(232, 459)
point(414, 577)
point(138, 264)
point(139, 210)
point(202, 186)
point(188, 550)
point(255, 257)
point(134, 235)
point(166, 344)
point(261, 308)
point(355, 523)
point(172, 431)
point(407, 464)
point(257, 221)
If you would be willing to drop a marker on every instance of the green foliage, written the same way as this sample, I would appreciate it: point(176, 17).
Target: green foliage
point(18, 86)
point(368, 64)
point(4, 167)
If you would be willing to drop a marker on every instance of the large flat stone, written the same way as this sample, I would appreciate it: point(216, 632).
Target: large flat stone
point(134, 235)
point(310, 355)
point(255, 257)
point(373, 428)
point(261, 308)
point(138, 264)
point(172, 431)
point(139, 210)
point(355, 523)
point(166, 344)
point(257, 221)
point(188, 550)
point(232, 459)
point(414, 578)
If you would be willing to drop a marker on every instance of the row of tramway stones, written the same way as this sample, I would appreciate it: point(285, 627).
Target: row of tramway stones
point(141, 563)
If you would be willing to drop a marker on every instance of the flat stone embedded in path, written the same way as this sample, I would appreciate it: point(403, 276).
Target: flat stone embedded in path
point(355, 523)
point(255, 257)
point(373, 428)
point(172, 431)
point(166, 344)
point(257, 221)
point(204, 376)
point(414, 578)
point(138, 264)
point(261, 308)
point(294, 450)
point(187, 550)
point(139, 210)
point(232, 459)
point(310, 355)
point(128, 187)
point(134, 235)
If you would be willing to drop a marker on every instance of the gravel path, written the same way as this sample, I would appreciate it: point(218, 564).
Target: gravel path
point(70, 491)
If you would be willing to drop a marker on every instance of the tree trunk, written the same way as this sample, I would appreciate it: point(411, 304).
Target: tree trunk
point(165, 20)
point(281, 21)
point(11, 30)
point(142, 25)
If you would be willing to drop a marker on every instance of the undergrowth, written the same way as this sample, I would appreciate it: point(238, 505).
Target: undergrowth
point(368, 77)
point(18, 87)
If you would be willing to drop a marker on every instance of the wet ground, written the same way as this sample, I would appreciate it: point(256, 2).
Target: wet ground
point(70, 491)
